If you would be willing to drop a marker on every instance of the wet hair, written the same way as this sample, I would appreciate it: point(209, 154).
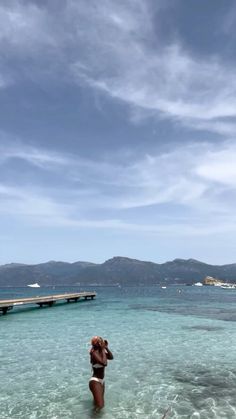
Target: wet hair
point(96, 341)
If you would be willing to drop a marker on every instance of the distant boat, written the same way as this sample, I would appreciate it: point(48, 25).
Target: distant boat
point(36, 285)
point(198, 284)
point(228, 286)
point(163, 288)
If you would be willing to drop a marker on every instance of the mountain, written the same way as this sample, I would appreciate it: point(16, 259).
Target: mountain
point(119, 269)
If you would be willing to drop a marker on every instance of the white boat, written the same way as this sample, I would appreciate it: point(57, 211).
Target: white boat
point(36, 285)
point(163, 288)
point(198, 284)
point(228, 286)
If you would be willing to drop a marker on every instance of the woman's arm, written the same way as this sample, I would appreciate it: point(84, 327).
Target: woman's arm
point(99, 357)
point(108, 352)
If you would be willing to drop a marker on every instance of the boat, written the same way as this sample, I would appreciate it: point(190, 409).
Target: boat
point(229, 286)
point(163, 288)
point(198, 284)
point(36, 285)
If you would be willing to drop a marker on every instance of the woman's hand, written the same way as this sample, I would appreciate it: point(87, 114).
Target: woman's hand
point(106, 343)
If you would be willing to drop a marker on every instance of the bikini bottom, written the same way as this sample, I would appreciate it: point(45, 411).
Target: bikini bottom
point(98, 380)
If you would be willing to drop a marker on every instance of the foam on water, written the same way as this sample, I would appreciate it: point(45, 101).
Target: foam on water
point(165, 343)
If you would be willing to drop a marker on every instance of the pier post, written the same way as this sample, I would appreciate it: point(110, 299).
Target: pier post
point(4, 310)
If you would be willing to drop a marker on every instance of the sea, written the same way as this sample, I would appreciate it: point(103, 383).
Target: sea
point(174, 354)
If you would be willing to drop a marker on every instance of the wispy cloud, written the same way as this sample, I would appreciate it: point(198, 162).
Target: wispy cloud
point(121, 56)
point(39, 210)
point(25, 25)
point(170, 82)
point(165, 79)
point(113, 48)
point(30, 154)
point(113, 195)
point(29, 202)
point(219, 166)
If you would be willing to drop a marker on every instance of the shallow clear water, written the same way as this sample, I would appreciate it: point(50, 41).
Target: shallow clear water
point(172, 348)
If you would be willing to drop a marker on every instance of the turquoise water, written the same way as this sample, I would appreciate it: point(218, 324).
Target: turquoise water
point(172, 347)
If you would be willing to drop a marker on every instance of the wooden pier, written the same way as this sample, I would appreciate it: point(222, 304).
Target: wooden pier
point(49, 300)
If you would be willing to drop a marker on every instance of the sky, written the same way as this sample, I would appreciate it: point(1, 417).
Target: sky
point(117, 130)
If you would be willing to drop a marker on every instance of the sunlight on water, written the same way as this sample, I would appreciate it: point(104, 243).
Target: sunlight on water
point(172, 350)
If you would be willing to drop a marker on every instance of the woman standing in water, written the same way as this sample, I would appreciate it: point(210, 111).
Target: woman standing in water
point(99, 354)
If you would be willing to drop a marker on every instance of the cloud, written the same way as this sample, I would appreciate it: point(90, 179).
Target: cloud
point(181, 175)
point(33, 155)
point(23, 25)
point(170, 82)
point(219, 166)
point(36, 209)
point(113, 48)
point(111, 183)
point(188, 190)
point(32, 206)
point(165, 229)
point(159, 78)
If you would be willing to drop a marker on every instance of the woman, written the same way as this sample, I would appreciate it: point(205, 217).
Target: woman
point(99, 354)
